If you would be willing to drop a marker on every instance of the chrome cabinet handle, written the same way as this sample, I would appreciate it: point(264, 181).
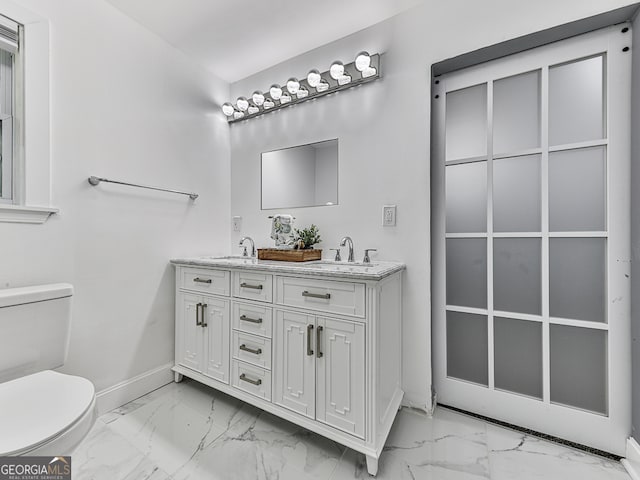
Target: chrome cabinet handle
point(319, 353)
point(202, 280)
point(324, 296)
point(257, 351)
point(198, 321)
point(244, 378)
point(249, 319)
point(202, 309)
point(309, 332)
point(248, 285)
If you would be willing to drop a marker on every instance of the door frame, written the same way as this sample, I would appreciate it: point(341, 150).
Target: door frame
point(544, 416)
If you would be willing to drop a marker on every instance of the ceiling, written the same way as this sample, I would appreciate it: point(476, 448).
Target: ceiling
point(237, 38)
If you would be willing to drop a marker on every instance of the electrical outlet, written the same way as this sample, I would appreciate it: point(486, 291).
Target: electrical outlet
point(237, 224)
point(388, 215)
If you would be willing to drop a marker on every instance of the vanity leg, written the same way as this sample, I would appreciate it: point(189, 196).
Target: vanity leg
point(372, 465)
point(177, 377)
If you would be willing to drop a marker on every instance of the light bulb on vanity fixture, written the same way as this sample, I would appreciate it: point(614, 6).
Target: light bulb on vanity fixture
point(258, 98)
point(314, 78)
point(293, 85)
point(336, 70)
point(363, 64)
point(363, 69)
point(228, 109)
point(242, 103)
point(275, 91)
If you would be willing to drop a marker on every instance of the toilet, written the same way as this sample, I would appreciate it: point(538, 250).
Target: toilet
point(42, 412)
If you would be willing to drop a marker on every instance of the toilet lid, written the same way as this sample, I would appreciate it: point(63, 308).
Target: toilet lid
point(38, 407)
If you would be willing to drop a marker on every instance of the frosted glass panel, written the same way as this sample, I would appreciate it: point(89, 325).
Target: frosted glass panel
point(517, 284)
point(467, 197)
point(577, 278)
point(467, 272)
point(518, 356)
point(467, 347)
point(466, 123)
point(576, 103)
point(578, 360)
point(516, 113)
point(516, 194)
point(577, 181)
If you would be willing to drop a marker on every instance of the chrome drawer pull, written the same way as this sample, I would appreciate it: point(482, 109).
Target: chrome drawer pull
point(319, 352)
point(249, 319)
point(244, 378)
point(247, 285)
point(202, 280)
point(324, 296)
point(309, 332)
point(257, 351)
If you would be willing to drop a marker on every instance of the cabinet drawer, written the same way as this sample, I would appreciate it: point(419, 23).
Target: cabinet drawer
point(252, 349)
point(254, 319)
point(345, 298)
point(250, 379)
point(205, 280)
point(254, 286)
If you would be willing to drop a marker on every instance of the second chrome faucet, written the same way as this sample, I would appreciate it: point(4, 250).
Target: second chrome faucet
point(253, 247)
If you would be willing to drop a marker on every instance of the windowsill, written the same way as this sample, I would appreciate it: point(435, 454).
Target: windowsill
point(25, 214)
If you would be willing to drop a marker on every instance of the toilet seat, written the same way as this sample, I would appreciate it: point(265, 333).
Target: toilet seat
point(38, 408)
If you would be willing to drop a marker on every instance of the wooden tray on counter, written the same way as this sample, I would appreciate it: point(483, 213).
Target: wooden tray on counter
point(289, 255)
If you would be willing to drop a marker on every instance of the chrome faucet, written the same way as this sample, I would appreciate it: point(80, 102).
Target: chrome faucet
point(366, 258)
point(344, 242)
point(253, 247)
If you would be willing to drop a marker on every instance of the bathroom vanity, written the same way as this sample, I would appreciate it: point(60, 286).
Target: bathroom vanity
point(316, 343)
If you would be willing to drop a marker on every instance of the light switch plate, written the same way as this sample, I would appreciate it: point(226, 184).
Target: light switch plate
point(388, 215)
point(237, 224)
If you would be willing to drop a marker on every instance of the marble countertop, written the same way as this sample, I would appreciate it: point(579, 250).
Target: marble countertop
point(326, 268)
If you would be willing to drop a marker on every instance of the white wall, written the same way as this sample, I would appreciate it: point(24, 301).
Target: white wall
point(126, 106)
point(383, 131)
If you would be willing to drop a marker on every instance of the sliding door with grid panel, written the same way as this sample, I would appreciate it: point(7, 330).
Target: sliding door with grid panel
point(531, 218)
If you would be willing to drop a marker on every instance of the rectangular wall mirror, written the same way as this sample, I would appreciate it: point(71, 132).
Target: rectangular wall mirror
point(302, 176)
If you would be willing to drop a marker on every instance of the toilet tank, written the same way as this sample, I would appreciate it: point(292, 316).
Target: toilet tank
point(34, 329)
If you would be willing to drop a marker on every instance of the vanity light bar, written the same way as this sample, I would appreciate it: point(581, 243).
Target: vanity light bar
point(365, 68)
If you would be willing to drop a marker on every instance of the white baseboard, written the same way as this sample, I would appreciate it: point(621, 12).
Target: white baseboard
point(632, 461)
point(124, 392)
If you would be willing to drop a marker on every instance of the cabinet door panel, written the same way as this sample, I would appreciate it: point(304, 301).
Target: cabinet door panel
point(189, 338)
point(340, 387)
point(216, 331)
point(294, 369)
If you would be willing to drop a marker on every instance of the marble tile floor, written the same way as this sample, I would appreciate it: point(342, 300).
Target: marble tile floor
point(188, 431)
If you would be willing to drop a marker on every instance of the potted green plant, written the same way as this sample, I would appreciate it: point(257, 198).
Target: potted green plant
point(306, 238)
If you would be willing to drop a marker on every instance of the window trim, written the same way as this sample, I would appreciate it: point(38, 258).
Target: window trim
point(32, 132)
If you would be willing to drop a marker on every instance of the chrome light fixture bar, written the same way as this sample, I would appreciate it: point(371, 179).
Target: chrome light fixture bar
point(365, 68)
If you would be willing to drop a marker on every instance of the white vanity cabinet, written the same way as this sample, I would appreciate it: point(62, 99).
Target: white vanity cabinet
point(320, 369)
point(202, 333)
point(320, 347)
